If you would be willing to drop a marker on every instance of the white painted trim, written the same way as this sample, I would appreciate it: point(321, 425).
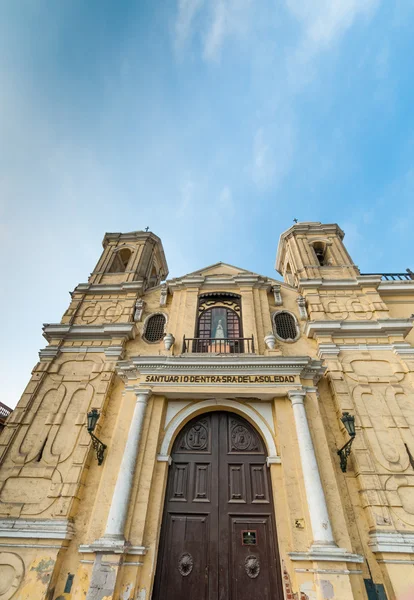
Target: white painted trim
point(164, 458)
point(37, 546)
point(51, 352)
point(44, 529)
point(341, 284)
point(109, 288)
point(396, 287)
point(107, 331)
point(330, 571)
point(328, 555)
point(361, 328)
point(207, 363)
point(185, 415)
point(112, 547)
point(220, 282)
point(329, 350)
point(395, 542)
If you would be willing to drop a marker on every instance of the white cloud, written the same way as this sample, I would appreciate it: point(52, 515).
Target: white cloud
point(325, 21)
point(187, 11)
point(227, 18)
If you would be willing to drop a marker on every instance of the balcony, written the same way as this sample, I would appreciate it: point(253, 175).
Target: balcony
point(218, 345)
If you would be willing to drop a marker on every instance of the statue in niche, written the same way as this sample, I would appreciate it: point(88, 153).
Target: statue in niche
point(219, 331)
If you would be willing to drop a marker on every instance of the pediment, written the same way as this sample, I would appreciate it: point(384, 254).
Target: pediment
point(220, 269)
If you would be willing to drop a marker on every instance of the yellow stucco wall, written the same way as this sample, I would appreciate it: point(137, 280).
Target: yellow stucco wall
point(49, 473)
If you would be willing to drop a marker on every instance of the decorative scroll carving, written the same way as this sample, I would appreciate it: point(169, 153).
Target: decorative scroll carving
point(163, 295)
point(139, 309)
point(196, 438)
point(186, 563)
point(216, 300)
point(252, 566)
point(242, 437)
point(302, 308)
point(277, 294)
point(12, 570)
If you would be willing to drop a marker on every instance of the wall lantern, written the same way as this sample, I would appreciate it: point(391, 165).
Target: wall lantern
point(98, 446)
point(349, 423)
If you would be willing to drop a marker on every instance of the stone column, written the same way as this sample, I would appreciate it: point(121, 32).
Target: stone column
point(120, 500)
point(110, 547)
point(319, 517)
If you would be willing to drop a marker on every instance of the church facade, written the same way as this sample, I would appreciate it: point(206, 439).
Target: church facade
point(219, 436)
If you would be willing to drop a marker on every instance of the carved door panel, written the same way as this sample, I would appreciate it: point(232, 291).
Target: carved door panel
point(218, 539)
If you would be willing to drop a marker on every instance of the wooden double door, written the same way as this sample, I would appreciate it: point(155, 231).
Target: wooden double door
point(218, 537)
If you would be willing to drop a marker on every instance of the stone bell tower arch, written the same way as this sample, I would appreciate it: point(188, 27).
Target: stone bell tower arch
point(312, 250)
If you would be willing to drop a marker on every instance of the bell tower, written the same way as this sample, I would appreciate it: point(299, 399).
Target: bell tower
point(137, 256)
point(312, 250)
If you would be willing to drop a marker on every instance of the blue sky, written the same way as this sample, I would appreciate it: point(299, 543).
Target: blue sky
point(214, 122)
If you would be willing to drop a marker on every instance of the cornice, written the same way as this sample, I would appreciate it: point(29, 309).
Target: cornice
point(330, 350)
point(304, 366)
point(381, 327)
point(129, 237)
point(110, 288)
point(45, 529)
point(341, 284)
point(393, 541)
point(220, 282)
point(327, 555)
point(125, 331)
point(396, 287)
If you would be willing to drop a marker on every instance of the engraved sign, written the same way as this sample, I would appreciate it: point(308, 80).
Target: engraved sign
point(220, 379)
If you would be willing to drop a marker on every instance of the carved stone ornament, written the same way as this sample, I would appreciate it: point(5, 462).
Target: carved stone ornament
point(185, 564)
point(139, 309)
point(196, 438)
point(242, 438)
point(277, 294)
point(302, 308)
point(163, 295)
point(252, 566)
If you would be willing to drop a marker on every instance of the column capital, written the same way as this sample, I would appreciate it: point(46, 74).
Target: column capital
point(142, 395)
point(297, 396)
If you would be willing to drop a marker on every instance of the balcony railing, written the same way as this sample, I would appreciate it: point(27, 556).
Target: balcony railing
point(4, 411)
point(218, 345)
point(407, 276)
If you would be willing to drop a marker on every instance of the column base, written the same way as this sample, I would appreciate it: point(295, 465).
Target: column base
point(113, 545)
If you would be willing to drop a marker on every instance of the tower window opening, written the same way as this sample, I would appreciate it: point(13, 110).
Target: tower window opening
point(320, 251)
point(155, 328)
point(120, 261)
point(285, 325)
point(153, 280)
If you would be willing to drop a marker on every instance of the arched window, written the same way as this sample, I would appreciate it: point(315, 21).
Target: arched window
point(154, 328)
point(219, 323)
point(286, 328)
point(120, 261)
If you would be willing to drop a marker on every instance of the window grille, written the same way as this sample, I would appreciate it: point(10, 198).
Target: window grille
point(285, 326)
point(154, 331)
